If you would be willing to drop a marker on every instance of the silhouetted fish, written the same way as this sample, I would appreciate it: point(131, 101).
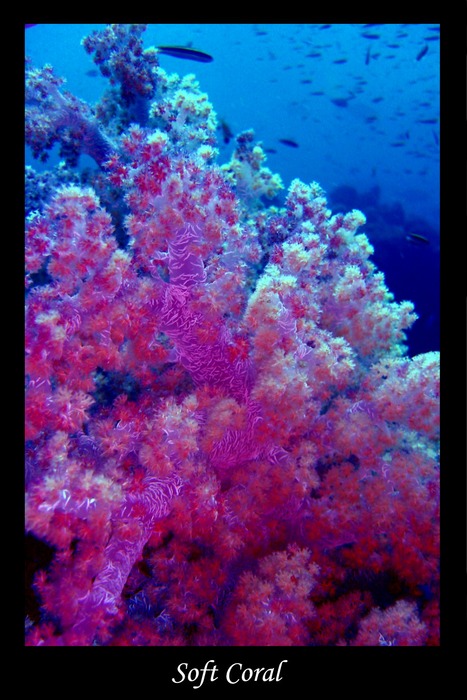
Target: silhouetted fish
point(227, 134)
point(340, 101)
point(417, 238)
point(289, 142)
point(422, 53)
point(185, 52)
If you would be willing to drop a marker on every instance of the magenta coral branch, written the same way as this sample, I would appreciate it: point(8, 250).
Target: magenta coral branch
point(207, 361)
point(205, 358)
point(124, 549)
point(185, 264)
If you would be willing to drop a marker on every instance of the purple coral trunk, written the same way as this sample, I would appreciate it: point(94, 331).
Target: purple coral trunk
point(143, 508)
point(206, 361)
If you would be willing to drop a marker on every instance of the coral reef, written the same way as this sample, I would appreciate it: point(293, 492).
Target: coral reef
point(226, 441)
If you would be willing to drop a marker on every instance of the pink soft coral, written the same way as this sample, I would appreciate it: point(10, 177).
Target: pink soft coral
point(226, 438)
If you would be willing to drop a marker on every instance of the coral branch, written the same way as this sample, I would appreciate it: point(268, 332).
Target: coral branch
point(52, 116)
point(123, 551)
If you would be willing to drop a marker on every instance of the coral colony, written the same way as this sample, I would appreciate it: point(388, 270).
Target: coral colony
point(226, 440)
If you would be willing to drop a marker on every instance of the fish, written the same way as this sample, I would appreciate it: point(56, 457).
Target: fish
point(370, 36)
point(417, 238)
point(340, 101)
point(340, 60)
point(227, 134)
point(289, 142)
point(368, 56)
point(185, 52)
point(422, 53)
point(430, 120)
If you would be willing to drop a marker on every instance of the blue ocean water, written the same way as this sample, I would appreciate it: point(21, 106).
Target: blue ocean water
point(359, 102)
